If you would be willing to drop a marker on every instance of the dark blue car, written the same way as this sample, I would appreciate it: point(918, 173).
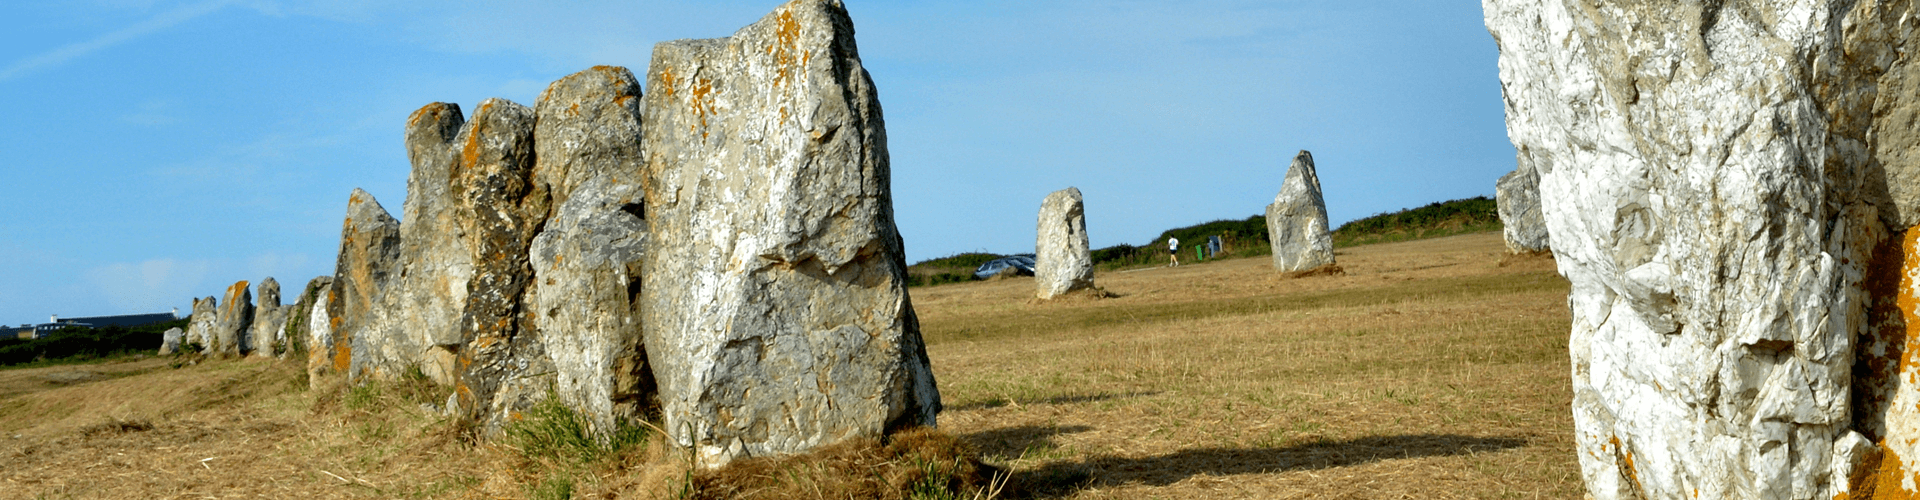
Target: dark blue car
point(1023, 263)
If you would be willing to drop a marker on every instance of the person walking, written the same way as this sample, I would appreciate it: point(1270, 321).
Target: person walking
point(1173, 247)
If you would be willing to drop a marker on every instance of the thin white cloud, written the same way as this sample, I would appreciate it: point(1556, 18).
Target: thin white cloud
point(150, 26)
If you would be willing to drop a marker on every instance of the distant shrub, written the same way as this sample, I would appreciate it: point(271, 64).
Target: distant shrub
point(969, 260)
point(79, 343)
point(1444, 218)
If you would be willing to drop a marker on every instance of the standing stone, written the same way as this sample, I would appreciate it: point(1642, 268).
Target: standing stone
point(587, 269)
point(200, 326)
point(269, 318)
point(235, 317)
point(587, 261)
point(421, 325)
point(589, 126)
point(773, 257)
point(170, 341)
point(367, 265)
point(1062, 259)
point(503, 367)
point(1518, 197)
point(1297, 220)
point(327, 353)
point(1707, 176)
point(293, 337)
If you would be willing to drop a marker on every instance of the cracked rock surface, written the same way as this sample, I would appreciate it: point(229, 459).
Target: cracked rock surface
point(1729, 188)
point(1062, 260)
point(777, 317)
point(1297, 220)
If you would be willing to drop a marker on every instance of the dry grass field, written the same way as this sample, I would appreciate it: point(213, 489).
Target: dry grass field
point(1430, 369)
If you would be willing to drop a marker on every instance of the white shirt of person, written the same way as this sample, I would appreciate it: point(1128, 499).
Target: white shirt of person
point(1173, 244)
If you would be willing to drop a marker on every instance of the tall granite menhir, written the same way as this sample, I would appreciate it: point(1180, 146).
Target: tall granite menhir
point(1062, 260)
point(1297, 220)
point(587, 260)
point(235, 317)
point(1730, 187)
point(269, 320)
point(773, 257)
point(200, 325)
point(367, 265)
point(421, 325)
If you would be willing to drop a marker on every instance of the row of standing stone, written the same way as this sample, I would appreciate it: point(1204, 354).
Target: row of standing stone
point(1296, 228)
point(267, 329)
point(750, 188)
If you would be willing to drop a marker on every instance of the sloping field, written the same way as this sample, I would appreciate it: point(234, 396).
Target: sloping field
point(1428, 370)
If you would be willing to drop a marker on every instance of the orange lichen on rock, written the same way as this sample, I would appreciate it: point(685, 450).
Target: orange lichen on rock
point(470, 153)
point(1884, 354)
point(785, 35)
point(702, 104)
point(1881, 475)
point(1624, 459)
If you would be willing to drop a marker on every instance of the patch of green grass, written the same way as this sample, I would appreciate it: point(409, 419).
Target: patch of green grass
point(551, 431)
point(554, 488)
point(559, 445)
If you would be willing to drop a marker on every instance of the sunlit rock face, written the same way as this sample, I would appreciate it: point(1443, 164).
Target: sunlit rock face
point(269, 318)
point(587, 260)
point(368, 264)
point(1297, 220)
point(772, 255)
point(235, 317)
point(200, 325)
point(170, 341)
point(420, 325)
point(1719, 182)
point(327, 352)
point(296, 335)
point(1063, 261)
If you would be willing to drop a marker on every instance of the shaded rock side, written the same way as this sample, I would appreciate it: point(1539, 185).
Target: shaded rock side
point(236, 316)
point(1706, 178)
point(1063, 261)
point(269, 320)
point(587, 266)
point(1297, 220)
point(502, 367)
point(170, 340)
point(1518, 196)
point(367, 266)
point(586, 262)
point(200, 325)
point(294, 336)
point(772, 256)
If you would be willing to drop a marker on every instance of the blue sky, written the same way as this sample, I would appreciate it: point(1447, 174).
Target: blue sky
point(160, 150)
